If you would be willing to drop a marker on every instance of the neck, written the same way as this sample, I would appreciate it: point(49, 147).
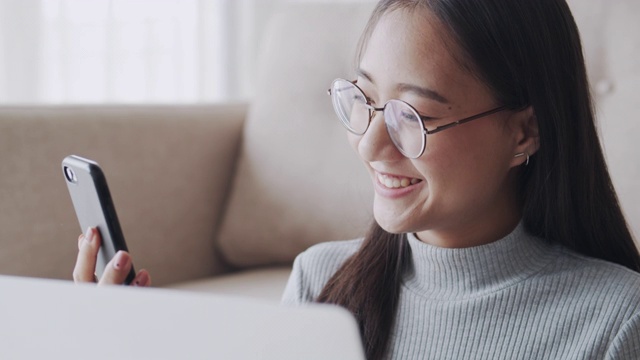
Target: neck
point(479, 228)
point(441, 273)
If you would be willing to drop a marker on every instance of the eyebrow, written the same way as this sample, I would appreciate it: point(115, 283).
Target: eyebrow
point(403, 87)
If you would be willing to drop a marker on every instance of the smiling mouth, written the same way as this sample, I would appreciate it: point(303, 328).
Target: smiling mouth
point(394, 182)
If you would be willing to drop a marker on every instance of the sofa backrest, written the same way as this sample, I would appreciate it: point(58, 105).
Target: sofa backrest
point(298, 182)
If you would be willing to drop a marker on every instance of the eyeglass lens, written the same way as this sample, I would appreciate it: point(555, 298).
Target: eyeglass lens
point(402, 122)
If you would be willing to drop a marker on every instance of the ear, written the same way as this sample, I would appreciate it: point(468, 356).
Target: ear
point(526, 139)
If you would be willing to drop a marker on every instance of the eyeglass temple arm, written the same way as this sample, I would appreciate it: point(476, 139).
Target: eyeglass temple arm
point(329, 90)
point(465, 120)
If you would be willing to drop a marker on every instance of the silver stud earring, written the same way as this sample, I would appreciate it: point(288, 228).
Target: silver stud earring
point(523, 154)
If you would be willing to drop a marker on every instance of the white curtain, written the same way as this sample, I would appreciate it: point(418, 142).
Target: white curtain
point(129, 51)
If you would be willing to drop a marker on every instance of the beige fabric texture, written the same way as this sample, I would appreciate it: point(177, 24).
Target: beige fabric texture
point(298, 182)
point(262, 283)
point(168, 168)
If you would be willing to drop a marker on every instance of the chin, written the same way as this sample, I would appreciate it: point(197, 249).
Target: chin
point(391, 226)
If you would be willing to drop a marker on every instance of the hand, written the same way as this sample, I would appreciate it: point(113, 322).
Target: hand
point(116, 270)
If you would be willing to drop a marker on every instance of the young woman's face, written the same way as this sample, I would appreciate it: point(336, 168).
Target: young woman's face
point(463, 183)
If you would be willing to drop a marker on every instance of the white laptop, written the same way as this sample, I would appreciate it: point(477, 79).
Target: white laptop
point(52, 319)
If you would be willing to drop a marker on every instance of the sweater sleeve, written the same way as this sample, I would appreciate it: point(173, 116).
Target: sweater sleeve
point(293, 291)
point(313, 268)
point(626, 344)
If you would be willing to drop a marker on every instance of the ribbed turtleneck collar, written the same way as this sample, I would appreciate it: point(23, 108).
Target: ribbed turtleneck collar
point(438, 272)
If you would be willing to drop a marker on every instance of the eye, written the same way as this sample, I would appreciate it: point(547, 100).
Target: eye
point(408, 116)
point(359, 98)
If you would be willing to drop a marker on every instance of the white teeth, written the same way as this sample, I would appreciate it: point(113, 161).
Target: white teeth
point(393, 182)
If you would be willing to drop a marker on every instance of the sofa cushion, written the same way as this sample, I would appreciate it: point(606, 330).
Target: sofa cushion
point(298, 182)
point(265, 283)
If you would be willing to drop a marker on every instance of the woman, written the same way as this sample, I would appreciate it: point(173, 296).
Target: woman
point(494, 209)
point(497, 231)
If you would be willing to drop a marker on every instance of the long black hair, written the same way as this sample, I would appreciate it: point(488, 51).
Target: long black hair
point(529, 54)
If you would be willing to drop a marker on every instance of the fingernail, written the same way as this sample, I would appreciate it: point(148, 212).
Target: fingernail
point(121, 260)
point(88, 235)
point(142, 279)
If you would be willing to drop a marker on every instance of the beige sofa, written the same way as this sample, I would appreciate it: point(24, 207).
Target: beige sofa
point(222, 197)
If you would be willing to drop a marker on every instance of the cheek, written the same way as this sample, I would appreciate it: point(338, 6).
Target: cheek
point(354, 140)
point(464, 164)
point(441, 155)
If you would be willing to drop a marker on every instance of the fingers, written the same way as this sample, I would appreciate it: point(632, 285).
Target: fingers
point(142, 279)
point(88, 245)
point(117, 269)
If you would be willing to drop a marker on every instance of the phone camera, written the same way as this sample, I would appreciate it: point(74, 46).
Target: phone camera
point(70, 175)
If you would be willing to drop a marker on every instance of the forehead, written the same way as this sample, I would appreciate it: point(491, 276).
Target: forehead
point(412, 45)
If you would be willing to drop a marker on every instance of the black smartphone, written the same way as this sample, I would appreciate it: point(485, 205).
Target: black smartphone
point(94, 208)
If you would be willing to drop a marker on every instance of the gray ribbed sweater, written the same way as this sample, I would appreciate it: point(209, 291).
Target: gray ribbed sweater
point(516, 298)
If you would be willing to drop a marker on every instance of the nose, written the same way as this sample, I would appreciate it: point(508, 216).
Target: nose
point(375, 144)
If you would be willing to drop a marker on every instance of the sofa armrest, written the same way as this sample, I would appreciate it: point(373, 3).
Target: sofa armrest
point(168, 168)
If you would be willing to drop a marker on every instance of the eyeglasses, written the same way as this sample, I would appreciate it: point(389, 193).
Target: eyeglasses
point(404, 124)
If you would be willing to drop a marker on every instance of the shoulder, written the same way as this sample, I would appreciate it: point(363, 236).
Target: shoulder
point(601, 296)
point(626, 344)
point(595, 295)
point(602, 271)
point(612, 284)
point(315, 266)
point(329, 254)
